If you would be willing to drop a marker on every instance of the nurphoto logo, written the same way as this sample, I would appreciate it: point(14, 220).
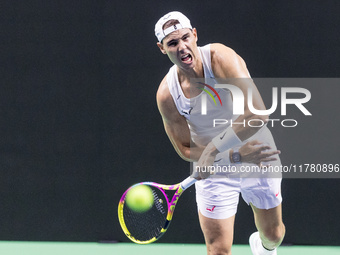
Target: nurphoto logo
point(239, 104)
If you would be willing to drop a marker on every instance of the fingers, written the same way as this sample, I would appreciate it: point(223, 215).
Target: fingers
point(270, 153)
point(268, 156)
point(268, 159)
point(261, 146)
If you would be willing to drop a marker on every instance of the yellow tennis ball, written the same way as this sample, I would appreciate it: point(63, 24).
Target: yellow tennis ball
point(140, 198)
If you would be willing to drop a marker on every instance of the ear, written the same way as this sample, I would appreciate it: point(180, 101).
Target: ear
point(194, 31)
point(160, 46)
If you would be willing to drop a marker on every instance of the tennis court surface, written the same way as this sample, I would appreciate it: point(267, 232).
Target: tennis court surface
point(65, 248)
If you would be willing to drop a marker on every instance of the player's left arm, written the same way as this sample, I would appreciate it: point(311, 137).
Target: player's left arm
point(227, 64)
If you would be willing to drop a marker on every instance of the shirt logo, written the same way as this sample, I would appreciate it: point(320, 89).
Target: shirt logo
point(209, 93)
point(188, 112)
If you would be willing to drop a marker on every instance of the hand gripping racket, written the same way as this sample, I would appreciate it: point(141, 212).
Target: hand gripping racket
point(149, 226)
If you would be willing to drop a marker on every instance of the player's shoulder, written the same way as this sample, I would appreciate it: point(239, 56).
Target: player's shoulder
point(221, 53)
point(163, 91)
point(214, 47)
point(226, 62)
point(163, 96)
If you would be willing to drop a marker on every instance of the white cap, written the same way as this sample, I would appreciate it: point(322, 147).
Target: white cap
point(184, 22)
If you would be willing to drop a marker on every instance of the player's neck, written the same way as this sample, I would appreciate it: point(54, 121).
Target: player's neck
point(184, 76)
point(192, 73)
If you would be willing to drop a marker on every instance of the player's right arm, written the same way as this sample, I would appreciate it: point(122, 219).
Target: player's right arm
point(176, 126)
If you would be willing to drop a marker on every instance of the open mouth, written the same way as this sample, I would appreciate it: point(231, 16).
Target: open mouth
point(186, 58)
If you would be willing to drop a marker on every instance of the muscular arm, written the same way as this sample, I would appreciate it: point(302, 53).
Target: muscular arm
point(176, 126)
point(226, 64)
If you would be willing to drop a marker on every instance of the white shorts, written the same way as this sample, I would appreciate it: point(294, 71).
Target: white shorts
point(218, 198)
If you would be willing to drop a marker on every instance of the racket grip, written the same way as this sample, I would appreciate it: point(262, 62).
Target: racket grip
point(188, 182)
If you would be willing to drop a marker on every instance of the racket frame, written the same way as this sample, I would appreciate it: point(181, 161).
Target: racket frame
point(180, 188)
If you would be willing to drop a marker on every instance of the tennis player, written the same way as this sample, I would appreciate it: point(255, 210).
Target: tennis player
point(217, 198)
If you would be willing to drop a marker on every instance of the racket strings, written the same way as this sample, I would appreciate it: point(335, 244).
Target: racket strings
point(144, 226)
point(158, 202)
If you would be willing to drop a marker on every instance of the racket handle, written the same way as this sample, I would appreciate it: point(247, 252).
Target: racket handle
point(188, 182)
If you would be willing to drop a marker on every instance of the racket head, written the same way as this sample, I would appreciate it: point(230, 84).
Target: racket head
point(147, 227)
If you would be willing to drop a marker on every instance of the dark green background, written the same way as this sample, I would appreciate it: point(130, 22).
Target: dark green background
point(79, 121)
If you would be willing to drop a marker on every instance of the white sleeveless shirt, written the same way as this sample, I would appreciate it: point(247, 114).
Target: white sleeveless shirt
point(201, 126)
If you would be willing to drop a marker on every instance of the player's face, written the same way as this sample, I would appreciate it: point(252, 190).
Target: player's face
point(181, 47)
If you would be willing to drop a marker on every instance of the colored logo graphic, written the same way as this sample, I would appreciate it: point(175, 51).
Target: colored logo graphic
point(209, 93)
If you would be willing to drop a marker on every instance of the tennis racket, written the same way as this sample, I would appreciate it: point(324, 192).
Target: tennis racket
point(149, 226)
